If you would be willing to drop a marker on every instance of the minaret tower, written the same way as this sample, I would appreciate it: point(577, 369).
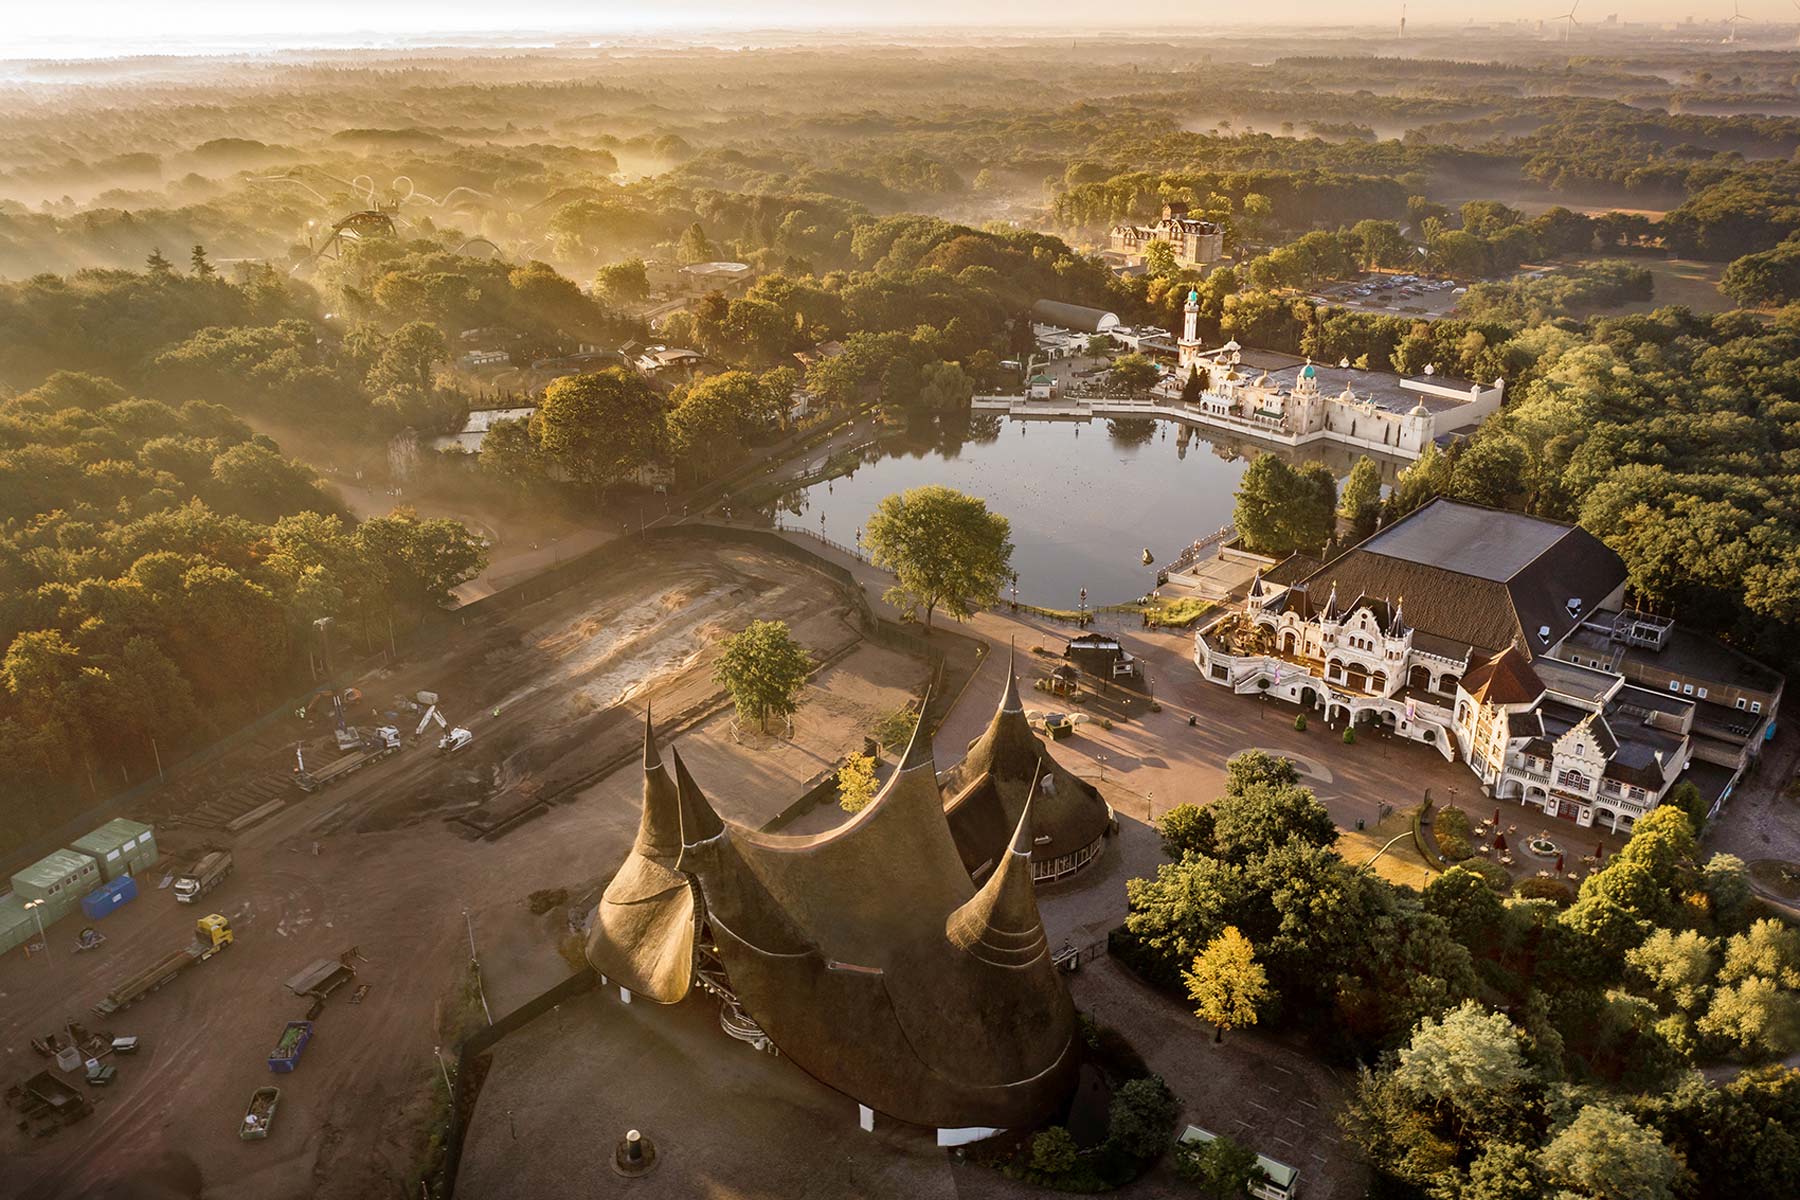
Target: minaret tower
point(1188, 349)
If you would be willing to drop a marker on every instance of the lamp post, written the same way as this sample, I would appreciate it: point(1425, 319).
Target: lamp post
point(1101, 759)
point(437, 1053)
point(1081, 608)
point(1015, 591)
point(34, 906)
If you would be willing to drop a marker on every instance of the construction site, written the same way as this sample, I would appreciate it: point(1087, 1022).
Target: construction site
point(261, 1018)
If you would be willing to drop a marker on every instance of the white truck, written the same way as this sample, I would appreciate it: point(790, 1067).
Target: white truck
point(207, 873)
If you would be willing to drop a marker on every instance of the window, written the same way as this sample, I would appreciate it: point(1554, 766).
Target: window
point(1688, 690)
point(1674, 685)
point(1740, 702)
point(1701, 693)
point(1756, 706)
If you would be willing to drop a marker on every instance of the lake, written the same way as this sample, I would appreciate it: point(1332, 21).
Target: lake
point(1084, 497)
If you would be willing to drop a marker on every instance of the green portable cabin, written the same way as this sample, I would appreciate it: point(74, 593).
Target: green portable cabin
point(121, 847)
point(60, 880)
point(16, 925)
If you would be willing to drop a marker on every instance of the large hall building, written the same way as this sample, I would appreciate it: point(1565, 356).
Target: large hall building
point(1503, 641)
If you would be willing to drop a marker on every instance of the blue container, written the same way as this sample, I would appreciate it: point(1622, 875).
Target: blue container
point(108, 896)
point(283, 1060)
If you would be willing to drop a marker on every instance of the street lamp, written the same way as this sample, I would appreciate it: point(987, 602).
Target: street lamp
point(34, 906)
point(1081, 608)
point(1101, 759)
point(1015, 591)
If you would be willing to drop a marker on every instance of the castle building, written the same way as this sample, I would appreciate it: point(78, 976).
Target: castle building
point(1196, 243)
point(1502, 640)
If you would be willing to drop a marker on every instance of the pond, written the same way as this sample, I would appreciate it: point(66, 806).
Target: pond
point(1085, 498)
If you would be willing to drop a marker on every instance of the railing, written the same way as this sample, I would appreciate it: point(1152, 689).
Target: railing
point(1195, 552)
point(815, 535)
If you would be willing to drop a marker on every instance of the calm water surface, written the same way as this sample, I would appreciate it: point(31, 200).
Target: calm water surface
point(1084, 497)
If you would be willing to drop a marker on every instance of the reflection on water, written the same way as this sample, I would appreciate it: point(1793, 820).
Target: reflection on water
point(1085, 498)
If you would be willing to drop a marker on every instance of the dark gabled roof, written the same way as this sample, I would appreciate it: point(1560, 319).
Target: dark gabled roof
point(986, 793)
point(1292, 569)
point(1507, 678)
point(869, 958)
point(1480, 577)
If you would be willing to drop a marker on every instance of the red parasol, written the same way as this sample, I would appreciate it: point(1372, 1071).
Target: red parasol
point(1559, 864)
point(1500, 841)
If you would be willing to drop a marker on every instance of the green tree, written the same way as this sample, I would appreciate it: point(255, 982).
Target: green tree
point(420, 561)
point(1504, 1171)
point(1769, 948)
point(1605, 1154)
point(510, 452)
point(601, 427)
point(715, 416)
point(1159, 259)
point(1280, 510)
point(945, 548)
point(764, 669)
point(856, 783)
point(1141, 1118)
point(695, 246)
point(1226, 983)
point(626, 282)
point(1186, 829)
point(1133, 372)
point(1469, 1058)
point(1250, 822)
point(203, 268)
point(1360, 502)
point(1053, 1151)
point(1678, 966)
point(1222, 1168)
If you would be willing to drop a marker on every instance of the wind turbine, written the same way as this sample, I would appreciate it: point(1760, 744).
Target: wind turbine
point(1403, 18)
point(1568, 19)
point(1732, 22)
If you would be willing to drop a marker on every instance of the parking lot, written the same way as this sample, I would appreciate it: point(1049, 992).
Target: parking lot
point(1395, 295)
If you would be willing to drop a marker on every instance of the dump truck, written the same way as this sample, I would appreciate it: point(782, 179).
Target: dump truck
point(375, 747)
point(206, 873)
point(211, 934)
point(286, 1055)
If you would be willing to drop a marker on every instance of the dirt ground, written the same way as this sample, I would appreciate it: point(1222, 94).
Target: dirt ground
point(374, 863)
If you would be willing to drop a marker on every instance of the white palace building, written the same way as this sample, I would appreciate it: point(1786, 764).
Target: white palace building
point(1503, 641)
point(1263, 394)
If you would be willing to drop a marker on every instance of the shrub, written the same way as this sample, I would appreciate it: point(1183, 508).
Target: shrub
point(545, 899)
point(1496, 876)
point(1142, 1118)
point(1300, 723)
point(1455, 848)
point(1452, 820)
point(1539, 888)
point(1053, 1151)
point(1349, 736)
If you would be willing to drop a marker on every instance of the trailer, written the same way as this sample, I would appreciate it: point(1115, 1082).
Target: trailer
point(211, 935)
point(206, 873)
point(261, 1114)
point(323, 976)
point(375, 747)
point(286, 1055)
point(45, 1097)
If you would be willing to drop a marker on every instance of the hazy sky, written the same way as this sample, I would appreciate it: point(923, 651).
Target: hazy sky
point(197, 22)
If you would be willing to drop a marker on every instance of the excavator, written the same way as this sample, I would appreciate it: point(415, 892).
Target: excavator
point(454, 738)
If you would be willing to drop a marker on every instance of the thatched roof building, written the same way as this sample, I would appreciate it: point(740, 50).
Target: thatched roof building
point(865, 954)
point(986, 793)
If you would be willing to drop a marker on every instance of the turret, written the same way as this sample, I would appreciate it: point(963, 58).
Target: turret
point(1000, 924)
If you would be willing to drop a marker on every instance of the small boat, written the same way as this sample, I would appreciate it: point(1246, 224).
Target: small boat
point(1148, 557)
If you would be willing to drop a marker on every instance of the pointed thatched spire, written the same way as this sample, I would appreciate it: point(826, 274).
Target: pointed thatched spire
point(699, 823)
point(1000, 924)
point(1009, 699)
point(659, 828)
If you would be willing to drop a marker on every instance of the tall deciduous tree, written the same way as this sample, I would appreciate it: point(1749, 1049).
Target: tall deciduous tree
point(764, 669)
point(601, 427)
point(1360, 501)
point(1605, 1154)
point(1226, 983)
point(946, 549)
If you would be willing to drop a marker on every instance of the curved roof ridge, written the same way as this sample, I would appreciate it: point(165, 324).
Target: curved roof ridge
point(699, 823)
